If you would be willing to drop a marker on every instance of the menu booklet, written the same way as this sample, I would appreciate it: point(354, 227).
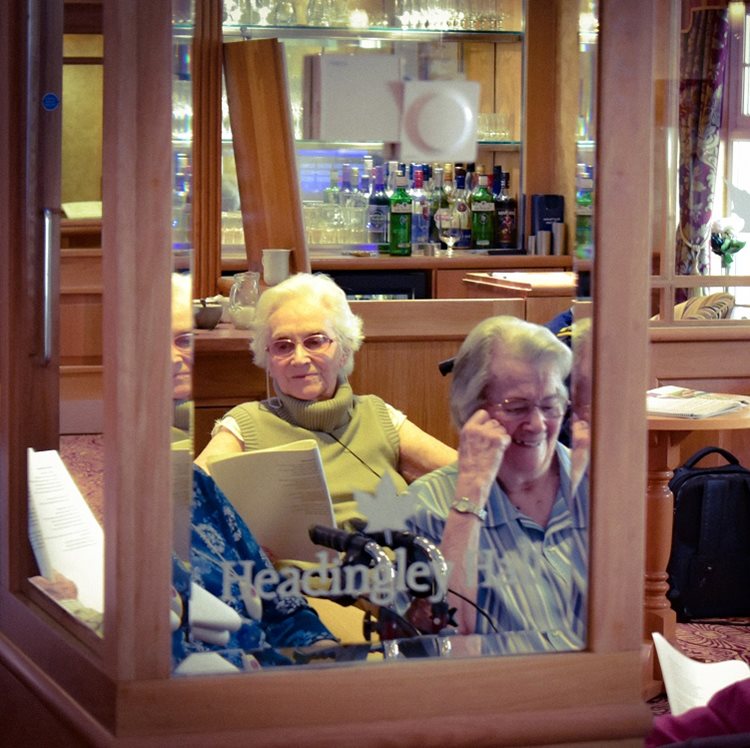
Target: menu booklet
point(279, 492)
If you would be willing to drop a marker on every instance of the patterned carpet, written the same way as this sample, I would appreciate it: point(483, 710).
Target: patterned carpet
point(83, 455)
point(707, 642)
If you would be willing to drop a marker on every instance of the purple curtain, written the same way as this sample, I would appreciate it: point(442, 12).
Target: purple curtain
point(703, 57)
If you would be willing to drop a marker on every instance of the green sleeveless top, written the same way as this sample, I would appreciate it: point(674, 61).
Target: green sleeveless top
point(356, 437)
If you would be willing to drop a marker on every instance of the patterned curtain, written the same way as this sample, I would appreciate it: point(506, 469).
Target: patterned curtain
point(703, 57)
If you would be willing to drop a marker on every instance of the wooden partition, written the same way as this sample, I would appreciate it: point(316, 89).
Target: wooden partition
point(121, 692)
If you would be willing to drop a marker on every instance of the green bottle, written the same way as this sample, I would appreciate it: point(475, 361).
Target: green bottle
point(400, 232)
point(482, 215)
point(331, 193)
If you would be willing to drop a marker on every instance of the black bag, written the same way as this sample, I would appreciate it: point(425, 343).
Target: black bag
point(709, 565)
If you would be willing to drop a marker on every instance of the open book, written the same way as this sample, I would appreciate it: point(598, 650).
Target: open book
point(279, 492)
point(684, 402)
point(690, 683)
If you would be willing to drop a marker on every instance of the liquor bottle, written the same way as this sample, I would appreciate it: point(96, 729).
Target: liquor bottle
point(400, 219)
point(355, 213)
point(331, 193)
point(378, 213)
point(366, 183)
point(461, 207)
point(471, 177)
point(345, 191)
point(437, 199)
point(420, 210)
point(496, 188)
point(482, 215)
point(390, 177)
point(584, 249)
point(506, 216)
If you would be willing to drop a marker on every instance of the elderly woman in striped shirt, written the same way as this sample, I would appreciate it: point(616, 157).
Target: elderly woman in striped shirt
point(511, 514)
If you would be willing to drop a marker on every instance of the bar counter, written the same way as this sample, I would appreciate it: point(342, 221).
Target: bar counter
point(444, 274)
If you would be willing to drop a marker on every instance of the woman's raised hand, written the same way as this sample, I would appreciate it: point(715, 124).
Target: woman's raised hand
point(482, 444)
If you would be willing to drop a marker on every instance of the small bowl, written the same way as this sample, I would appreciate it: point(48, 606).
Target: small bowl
point(206, 316)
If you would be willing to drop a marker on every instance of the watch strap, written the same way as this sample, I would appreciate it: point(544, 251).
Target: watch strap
point(465, 506)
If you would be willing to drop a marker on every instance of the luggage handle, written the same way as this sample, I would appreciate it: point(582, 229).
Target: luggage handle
point(701, 453)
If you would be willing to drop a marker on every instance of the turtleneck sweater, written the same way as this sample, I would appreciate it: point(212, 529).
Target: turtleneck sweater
point(355, 434)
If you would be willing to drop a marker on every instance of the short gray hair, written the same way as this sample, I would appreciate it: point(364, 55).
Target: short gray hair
point(506, 337)
point(315, 288)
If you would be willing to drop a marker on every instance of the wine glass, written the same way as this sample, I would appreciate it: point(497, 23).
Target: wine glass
point(449, 227)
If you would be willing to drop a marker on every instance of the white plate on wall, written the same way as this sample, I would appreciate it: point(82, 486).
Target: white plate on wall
point(439, 121)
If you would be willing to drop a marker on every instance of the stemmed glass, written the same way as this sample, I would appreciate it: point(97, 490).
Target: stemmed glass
point(448, 223)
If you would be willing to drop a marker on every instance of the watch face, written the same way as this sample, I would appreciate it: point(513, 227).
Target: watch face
point(469, 507)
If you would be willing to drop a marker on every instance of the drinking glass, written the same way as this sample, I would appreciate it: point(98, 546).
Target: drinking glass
point(449, 227)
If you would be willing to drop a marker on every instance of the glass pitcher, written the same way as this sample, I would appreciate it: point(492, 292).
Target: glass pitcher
point(243, 296)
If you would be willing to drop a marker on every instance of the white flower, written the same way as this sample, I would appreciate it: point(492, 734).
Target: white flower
point(731, 225)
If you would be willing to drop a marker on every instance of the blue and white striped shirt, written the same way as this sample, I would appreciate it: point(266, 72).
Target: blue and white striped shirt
point(531, 579)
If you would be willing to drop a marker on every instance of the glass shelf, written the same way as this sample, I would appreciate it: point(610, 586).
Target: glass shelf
point(389, 34)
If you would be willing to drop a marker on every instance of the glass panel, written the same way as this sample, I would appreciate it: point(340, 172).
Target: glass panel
point(380, 584)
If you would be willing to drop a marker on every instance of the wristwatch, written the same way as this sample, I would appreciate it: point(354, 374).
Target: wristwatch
point(469, 507)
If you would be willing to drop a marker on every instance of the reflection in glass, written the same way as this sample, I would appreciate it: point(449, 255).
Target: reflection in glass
point(389, 584)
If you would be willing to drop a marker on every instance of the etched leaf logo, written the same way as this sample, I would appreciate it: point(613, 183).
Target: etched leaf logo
point(385, 510)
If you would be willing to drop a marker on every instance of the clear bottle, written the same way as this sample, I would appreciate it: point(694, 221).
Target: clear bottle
point(400, 219)
point(420, 210)
point(378, 213)
point(346, 192)
point(365, 184)
point(482, 215)
point(436, 197)
point(506, 216)
point(461, 207)
point(356, 211)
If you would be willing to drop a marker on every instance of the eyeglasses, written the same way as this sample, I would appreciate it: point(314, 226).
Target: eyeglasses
point(284, 347)
point(516, 408)
point(183, 342)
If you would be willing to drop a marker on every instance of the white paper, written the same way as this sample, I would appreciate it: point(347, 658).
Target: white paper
point(205, 663)
point(690, 683)
point(63, 531)
point(683, 402)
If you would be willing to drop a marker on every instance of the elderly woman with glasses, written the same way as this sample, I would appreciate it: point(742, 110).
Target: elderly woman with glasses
point(305, 336)
point(508, 516)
